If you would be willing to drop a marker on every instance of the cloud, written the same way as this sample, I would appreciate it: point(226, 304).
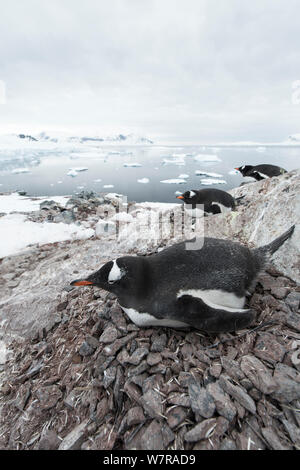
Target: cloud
point(191, 70)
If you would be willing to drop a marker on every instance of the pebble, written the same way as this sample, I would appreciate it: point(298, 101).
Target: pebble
point(202, 402)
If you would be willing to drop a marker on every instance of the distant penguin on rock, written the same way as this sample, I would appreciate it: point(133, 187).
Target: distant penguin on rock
point(203, 288)
point(261, 172)
point(214, 201)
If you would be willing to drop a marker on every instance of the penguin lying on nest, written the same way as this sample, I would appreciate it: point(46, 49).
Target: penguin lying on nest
point(261, 172)
point(214, 201)
point(203, 288)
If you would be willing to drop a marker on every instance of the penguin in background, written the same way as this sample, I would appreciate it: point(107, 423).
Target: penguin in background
point(215, 201)
point(204, 288)
point(261, 172)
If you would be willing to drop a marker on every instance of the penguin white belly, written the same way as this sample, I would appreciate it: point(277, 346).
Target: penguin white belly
point(217, 299)
point(144, 319)
point(263, 175)
point(197, 212)
point(223, 208)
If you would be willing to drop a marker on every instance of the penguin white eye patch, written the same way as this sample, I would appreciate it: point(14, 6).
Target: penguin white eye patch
point(115, 273)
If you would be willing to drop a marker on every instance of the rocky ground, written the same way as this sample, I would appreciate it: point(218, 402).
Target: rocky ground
point(90, 379)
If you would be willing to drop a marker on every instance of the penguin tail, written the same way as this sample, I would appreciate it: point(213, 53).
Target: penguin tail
point(213, 319)
point(239, 199)
point(272, 247)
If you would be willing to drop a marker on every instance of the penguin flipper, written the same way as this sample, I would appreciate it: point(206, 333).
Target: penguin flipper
point(198, 314)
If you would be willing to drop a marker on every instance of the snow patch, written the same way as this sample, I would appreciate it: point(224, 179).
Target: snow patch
point(12, 225)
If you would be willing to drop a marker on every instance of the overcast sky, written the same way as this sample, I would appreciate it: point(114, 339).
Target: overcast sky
point(190, 70)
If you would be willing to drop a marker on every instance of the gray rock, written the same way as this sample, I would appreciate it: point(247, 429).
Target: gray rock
point(151, 401)
point(202, 431)
point(86, 349)
point(293, 431)
point(49, 440)
point(288, 383)
point(156, 436)
point(113, 348)
point(273, 439)
point(223, 403)
point(75, 438)
point(109, 335)
point(176, 416)
point(109, 376)
point(259, 374)
point(232, 368)
point(135, 416)
point(202, 402)
point(292, 320)
point(153, 359)
point(238, 394)
point(48, 396)
point(159, 343)
point(293, 301)
point(138, 355)
point(70, 399)
point(268, 348)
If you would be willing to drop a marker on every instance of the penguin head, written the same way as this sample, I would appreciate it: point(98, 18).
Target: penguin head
point(244, 169)
point(120, 276)
point(189, 197)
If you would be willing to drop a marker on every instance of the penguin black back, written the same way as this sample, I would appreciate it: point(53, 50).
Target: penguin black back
point(214, 200)
point(260, 172)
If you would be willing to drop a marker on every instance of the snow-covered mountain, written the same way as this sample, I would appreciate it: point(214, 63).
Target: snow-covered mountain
point(45, 140)
point(129, 139)
point(294, 138)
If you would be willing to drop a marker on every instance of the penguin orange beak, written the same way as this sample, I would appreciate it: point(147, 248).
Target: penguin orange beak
point(179, 197)
point(81, 282)
point(237, 169)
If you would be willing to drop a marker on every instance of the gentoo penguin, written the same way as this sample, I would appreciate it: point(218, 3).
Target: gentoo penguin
point(261, 172)
point(176, 287)
point(214, 201)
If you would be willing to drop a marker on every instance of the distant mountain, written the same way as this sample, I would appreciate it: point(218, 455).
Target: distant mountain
point(294, 138)
point(130, 139)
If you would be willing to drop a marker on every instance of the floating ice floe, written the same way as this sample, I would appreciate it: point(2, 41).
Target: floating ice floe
point(97, 181)
point(183, 176)
point(261, 149)
point(132, 165)
point(74, 171)
point(144, 180)
point(106, 186)
point(174, 181)
point(210, 181)
point(207, 158)
point(176, 159)
point(206, 173)
point(18, 171)
point(79, 169)
point(59, 182)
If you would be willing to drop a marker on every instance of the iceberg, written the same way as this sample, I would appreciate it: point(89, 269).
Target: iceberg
point(207, 158)
point(174, 181)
